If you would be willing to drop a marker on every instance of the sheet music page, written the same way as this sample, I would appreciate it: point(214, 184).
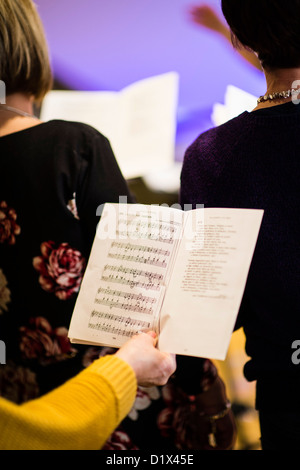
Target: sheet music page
point(149, 124)
point(209, 277)
point(127, 273)
point(236, 101)
point(139, 121)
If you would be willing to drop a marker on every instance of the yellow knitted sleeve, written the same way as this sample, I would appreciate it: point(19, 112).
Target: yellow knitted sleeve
point(81, 414)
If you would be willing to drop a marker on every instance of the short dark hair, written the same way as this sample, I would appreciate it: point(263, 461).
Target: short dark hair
point(24, 59)
point(271, 28)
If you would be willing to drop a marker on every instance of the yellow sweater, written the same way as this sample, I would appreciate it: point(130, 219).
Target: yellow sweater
point(81, 414)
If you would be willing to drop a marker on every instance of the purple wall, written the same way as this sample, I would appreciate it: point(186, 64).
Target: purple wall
point(108, 44)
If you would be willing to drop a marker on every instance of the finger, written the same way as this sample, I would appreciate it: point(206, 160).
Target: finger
point(150, 333)
point(153, 335)
point(172, 361)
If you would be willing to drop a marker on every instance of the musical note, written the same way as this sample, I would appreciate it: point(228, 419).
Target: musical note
point(139, 259)
point(117, 324)
point(110, 329)
point(166, 238)
point(135, 272)
point(131, 284)
point(128, 321)
point(125, 306)
point(126, 295)
point(132, 277)
point(145, 249)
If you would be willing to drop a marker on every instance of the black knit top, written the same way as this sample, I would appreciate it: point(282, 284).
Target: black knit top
point(253, 161)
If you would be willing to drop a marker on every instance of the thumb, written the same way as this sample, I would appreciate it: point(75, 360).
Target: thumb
point(153, 335)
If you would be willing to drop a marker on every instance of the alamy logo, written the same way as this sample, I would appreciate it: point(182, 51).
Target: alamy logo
point(2, 92)
point(2, 353)
point(296, 92)
point(161, 222)
point(296, 354)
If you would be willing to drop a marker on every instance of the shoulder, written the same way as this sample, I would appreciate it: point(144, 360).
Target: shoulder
point(76, 140)
point(208, 157)
point(75, 130)
point(213, 148)
point(221, 137)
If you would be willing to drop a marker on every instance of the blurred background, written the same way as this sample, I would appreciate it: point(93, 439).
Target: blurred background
point(109, 44)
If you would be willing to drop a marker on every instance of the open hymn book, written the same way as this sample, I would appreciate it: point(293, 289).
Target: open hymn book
point(180, 273)
point(139, 121)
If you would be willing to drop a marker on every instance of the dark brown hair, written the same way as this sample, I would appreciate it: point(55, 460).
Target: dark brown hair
point(24, 59)
point(271, 28)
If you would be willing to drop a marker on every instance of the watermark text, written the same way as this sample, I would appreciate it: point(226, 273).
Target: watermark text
point(296, 91)
point(2, 92)
point(296, 354)
point(2, 352)
point(161, 222)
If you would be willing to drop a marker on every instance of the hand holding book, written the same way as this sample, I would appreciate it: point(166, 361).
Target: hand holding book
point(181, 274)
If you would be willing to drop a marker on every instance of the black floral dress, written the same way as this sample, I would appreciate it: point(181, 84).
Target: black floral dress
point(54, 177)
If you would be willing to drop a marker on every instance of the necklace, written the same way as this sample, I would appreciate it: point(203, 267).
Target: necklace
point(278, 95)
point(17, 111)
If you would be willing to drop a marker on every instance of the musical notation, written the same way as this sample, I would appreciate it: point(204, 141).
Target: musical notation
point(132, 295)
point(159, 226)
point(126, 321)
point(111, 329)
point(127, 295)
point(148, 228)
point(139, 259)
point(134, 278)
point(134, 272)
point(139, 254)
point(145, 249)
point(141, 235)
point(125, 306)
point(123, 326)
point(132, 284)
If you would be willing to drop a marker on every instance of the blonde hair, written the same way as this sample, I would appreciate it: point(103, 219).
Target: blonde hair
point(24, 58)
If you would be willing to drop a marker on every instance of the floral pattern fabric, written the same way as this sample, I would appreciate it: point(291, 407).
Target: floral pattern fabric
point(9, 228)
point(39, 341)
point(68, 168)
point(4, 293)
point(61, 269)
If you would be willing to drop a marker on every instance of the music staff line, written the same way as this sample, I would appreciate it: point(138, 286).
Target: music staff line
point(145, 249)
point(145, 236)
point(127, 321)
point(135, 272)
point(128, 282)
point(111, 329)
point(126, 295)
point(168, 227)
point(139, 259)
point(125, 306)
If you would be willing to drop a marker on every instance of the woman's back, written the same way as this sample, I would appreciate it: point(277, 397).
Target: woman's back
point(55, 175)
point(253, 162)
